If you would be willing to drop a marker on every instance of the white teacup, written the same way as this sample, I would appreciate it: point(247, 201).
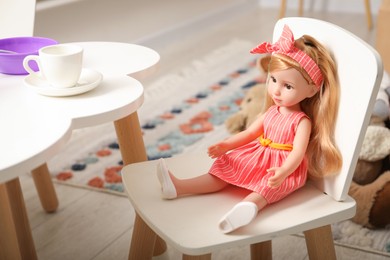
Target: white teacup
point(60, 65)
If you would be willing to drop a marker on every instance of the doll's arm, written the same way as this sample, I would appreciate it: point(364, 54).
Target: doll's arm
point(239, 139)
point(294, 159)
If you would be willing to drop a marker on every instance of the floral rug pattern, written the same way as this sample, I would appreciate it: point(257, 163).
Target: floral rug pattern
point(174, 142)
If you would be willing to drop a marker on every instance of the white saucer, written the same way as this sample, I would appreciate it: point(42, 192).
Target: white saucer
point(89, 79)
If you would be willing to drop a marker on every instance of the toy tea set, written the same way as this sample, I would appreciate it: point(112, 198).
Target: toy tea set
point(52, 69)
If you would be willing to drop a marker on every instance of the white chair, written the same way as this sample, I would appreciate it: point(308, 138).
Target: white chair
point(189, 224)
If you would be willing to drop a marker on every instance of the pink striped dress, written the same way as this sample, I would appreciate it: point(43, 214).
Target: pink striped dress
point(247, 165)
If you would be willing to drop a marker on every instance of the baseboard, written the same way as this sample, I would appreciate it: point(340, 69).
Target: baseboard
point(198, 23)
point(47, 4)
point(344, 6)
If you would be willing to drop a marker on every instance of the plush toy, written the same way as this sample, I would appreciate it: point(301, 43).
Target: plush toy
point(371, 182)
point(250, 107)
point(252, 103)
point(372, 202)
point(382, 107)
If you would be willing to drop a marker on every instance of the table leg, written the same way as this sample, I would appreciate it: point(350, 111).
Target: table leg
point(131, 144)
point(45, 188)
point(9, 248)
point(19, 214)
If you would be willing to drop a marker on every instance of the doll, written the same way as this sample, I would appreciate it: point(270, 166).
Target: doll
point(293, 138)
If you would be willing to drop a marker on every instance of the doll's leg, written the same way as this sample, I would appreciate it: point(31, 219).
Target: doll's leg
point(173, 187)
point(242, 213)
point(256, 198)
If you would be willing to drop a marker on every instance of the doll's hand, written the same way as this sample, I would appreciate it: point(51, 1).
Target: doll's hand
point(217, 150)
point(277, 179)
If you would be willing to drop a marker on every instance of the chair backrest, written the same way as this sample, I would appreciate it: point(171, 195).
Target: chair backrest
point(17, 18)
point(360, 72)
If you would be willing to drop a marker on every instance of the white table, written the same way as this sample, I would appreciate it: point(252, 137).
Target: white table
point(34, 128)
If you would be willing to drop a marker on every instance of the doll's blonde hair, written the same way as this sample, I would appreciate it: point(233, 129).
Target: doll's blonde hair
point(323, 155)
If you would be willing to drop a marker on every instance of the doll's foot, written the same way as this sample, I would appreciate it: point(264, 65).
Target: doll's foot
point(240, 215)
point(168, 190)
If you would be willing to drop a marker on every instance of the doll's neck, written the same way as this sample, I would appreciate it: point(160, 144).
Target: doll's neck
point(290, 109)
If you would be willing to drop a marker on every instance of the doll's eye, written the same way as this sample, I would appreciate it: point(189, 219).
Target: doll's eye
point(273, 79)
point(288, 86)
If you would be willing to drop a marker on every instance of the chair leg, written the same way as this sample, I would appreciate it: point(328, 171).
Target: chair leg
point(261, 251)
point(45, 188)
point(197, 257)
point(282, 10)
point(319, 242)
point(159, 246)
point(300, 9)
point(142, 241)
point(368, 14)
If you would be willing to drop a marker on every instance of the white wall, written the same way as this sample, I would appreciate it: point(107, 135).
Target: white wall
point(16, 18)
point(354, 6)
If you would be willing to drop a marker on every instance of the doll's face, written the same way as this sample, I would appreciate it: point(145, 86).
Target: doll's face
point(288, 87)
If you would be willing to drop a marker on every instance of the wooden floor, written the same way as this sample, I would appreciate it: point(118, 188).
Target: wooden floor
point(93, 225)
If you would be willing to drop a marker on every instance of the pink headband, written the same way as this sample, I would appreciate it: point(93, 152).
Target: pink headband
point(285, 45)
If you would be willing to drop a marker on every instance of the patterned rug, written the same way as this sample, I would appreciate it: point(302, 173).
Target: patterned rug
point(184, 112)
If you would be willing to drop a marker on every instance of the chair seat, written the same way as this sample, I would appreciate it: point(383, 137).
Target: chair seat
point(190, 224)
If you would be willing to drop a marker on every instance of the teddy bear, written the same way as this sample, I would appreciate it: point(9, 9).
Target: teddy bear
point(370, 185)
point(382, 107)
point(252, 103)
point(250, 107)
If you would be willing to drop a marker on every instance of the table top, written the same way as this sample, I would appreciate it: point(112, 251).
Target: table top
point(115, 58)
point(36, 127)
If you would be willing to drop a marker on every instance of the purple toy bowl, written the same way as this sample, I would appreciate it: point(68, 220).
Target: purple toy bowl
point(12, 63)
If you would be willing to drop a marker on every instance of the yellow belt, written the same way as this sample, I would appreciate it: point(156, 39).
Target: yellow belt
point(269, 143)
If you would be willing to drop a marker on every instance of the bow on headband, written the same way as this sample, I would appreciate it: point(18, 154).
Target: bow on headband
point(285, 46)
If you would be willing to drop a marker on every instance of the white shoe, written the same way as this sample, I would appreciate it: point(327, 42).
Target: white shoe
point(167, 187)
point(240, 215)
